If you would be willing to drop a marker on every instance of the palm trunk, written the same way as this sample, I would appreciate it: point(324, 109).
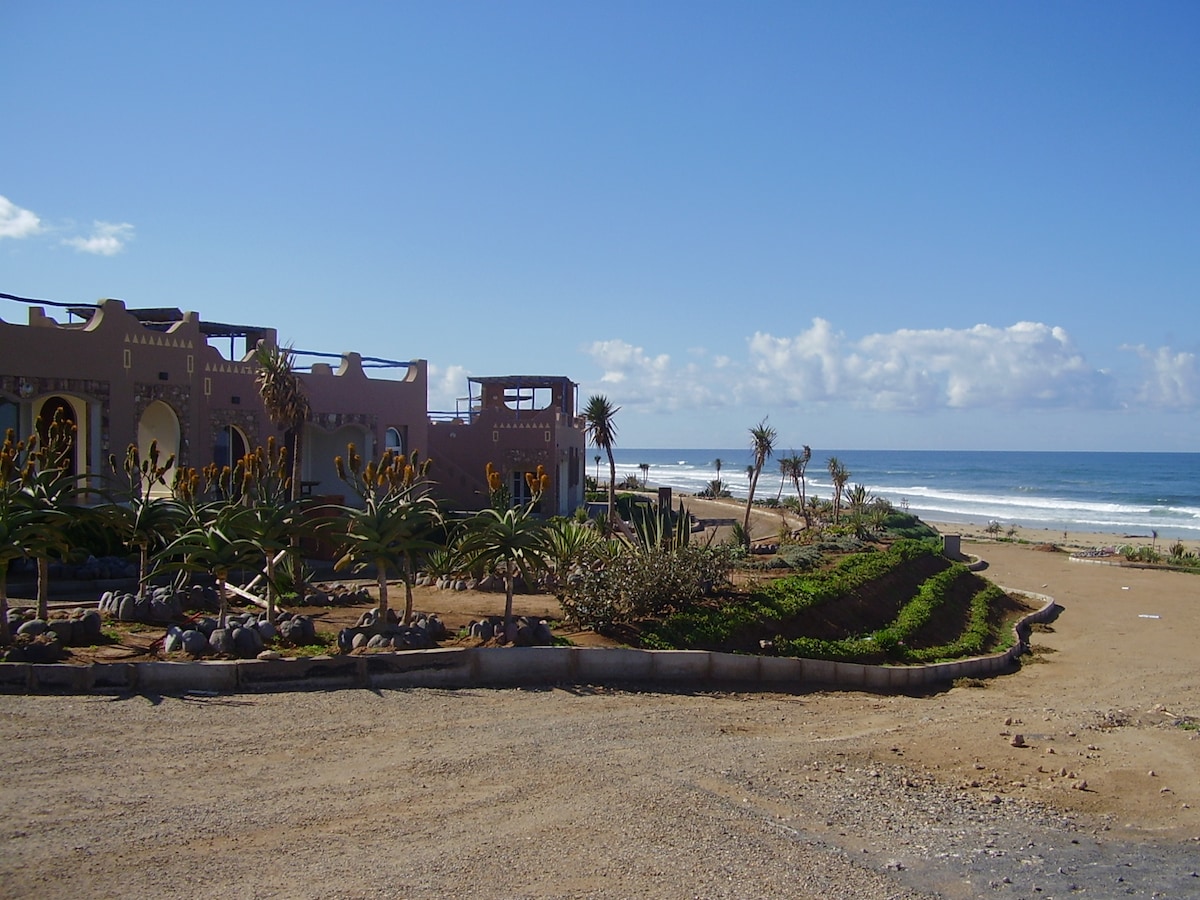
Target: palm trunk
point(612, 490)
point(508, 598)
point(43, 588)
point(297, 492)
point(750, 503)
point(143, 568)
point(270, 589)
point(408, 593)
point(222, 600)
point(381, 610)
point(5, 631)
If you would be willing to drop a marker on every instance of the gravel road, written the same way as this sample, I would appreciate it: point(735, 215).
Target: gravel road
point(547, 793)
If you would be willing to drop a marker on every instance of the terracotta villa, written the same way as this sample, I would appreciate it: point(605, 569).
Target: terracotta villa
point(135, 375)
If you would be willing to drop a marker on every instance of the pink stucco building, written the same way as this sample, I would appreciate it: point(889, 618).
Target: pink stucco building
point(135, 375)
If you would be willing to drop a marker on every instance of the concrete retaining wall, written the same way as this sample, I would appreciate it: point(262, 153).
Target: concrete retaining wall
point(511, 667)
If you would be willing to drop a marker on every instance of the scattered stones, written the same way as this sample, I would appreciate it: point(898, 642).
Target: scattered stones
point(522, 632)
point(77, 627)
point(423, 634)
point(159, 605)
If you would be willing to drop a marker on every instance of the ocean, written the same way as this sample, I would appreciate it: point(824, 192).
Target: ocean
point(1127, 494)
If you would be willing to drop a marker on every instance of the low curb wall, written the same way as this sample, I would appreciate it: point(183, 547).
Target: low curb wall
point(511, 667)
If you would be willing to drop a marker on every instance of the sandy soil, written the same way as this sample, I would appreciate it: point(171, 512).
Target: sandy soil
point(602, 793)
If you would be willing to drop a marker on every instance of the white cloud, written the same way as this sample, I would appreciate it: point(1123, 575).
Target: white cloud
point(1173, 379)
point(106, 239)
point(446, 386)
point(16, 222)
point(641, 379)
point(1026, 365)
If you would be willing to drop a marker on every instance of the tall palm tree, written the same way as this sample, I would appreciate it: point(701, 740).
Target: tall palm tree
point(787, 467)
point(717, 463)
point(762, 443)
point(286, 403)
point(599, 417)
point(283, 395)
point(839, 475)
point(645, 467)
point(799, 464)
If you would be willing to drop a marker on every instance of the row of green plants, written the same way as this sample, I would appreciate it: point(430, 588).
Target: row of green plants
point(1176, 555)
point(709, 626)
point(713, 626)
point(888, 644)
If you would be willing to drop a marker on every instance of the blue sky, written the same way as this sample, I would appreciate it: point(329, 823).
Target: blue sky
point(881, 225)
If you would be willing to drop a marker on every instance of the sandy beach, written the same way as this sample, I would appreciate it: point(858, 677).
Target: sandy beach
point(569, 792)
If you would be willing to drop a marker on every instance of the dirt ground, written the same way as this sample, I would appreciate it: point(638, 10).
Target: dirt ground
point(595, 792)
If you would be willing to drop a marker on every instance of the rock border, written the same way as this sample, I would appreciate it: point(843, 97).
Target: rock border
point(476, 667)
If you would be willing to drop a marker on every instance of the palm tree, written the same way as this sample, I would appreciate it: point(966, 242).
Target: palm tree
point(286, 403)
point(283, 395)
point(796, 466)
point(839, 475)
point(717, 463)
point(397, 524)
point(599, 416)
point(805, 457)
point(597, 459)
point(762, 442)
point(645, 467)
point(788, 466)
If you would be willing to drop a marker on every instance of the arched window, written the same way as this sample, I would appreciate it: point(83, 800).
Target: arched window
point(393, 440)
point(160, 425)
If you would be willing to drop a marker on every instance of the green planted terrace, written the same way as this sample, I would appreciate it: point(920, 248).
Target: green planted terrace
point(905, 603)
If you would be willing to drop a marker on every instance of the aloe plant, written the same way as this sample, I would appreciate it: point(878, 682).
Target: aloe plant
point(397, 524)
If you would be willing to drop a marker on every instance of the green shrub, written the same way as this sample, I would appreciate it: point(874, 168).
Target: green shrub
point(652, 582)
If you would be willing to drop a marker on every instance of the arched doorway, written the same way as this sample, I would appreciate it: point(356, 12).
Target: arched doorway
point(229, 445)
point(10, 417)
point(159, 423)
point(65, 409)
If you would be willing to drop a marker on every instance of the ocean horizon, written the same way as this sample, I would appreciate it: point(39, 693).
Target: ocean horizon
point(1131, 495)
